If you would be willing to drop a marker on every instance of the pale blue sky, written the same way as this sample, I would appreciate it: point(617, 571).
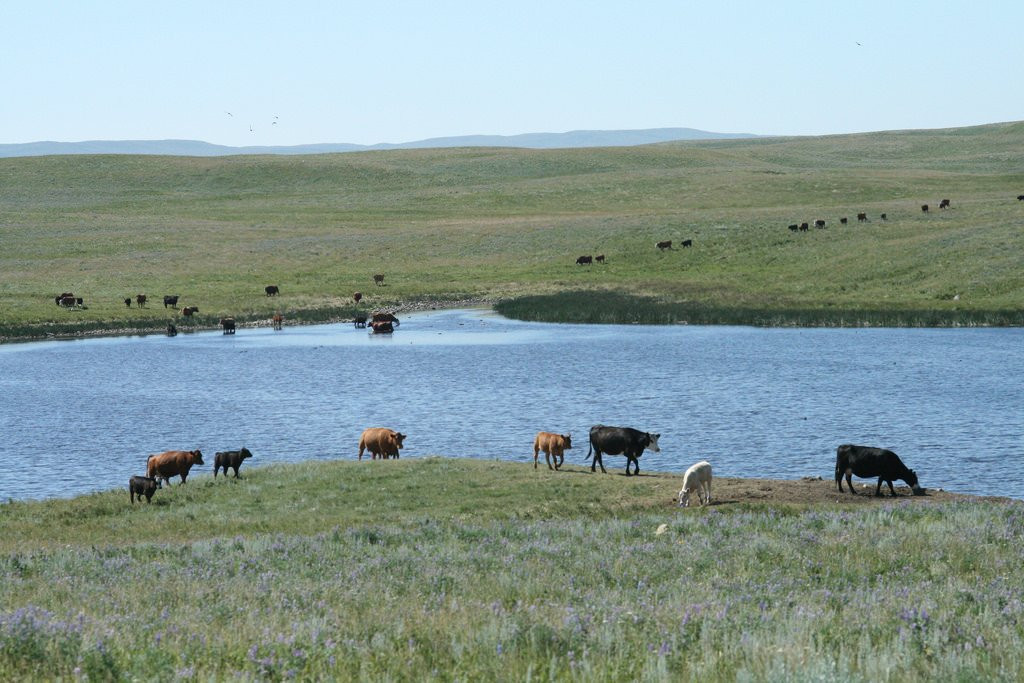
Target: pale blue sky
point(391, 71)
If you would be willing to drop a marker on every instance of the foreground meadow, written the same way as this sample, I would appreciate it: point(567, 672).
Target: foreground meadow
point(508, 224)
point(440, 569)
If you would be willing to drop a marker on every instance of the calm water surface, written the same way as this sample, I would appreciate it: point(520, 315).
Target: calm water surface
point(80, 416)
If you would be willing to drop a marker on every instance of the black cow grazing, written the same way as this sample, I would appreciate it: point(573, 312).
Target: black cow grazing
point(171, 330)
point(862, 217)
point(378, 279)
point(584, 260)
point(794, 227)
point(171, 301)
point(884, 217)
point(272, 290)
point(804, 227)
point(819, 223)
point(944, 204)
point(687, 243)
point(866, 461)
point(128, 301)
point(1020, 198)
point(843, 220)
point(226, 459)
point(142, 486)
point(599, 258)
point(620, 441)
point(662, 246)
point(228, 324)
point(924, 208)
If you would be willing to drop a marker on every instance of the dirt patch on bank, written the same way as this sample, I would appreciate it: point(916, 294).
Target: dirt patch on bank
point(815, 491)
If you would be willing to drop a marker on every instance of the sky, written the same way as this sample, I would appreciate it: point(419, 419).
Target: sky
point(300, 72)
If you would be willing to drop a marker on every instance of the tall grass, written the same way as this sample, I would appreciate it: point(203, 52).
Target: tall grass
point(482, 587)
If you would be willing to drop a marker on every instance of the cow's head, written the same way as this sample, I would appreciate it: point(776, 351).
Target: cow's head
point(652, 444)
point(911, 480)
point(197, 457)
point(244, 453)
point(567, 438)
point(399, 439)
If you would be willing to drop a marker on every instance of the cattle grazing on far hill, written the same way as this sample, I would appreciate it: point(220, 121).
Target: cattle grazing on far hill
point(1020, 198)
point(662, 246)
point(188, 311)
point(884, 217)
point(554, 447)
point(599, 258)
point(172, 464)
point(382, 442)
point(272, 290)
point(697, 479)
point(584, 260)
point(63, 295)
point(620, 441)
point(171, 301)
point(140, 299)
point(232, 459)
point(142, 486)
point(128, 301)
point(794, 227)
point(843, 220)
point(867, 462)
point(862, 217)
point(687, 243)
point(378, 279)
point(804, 227)
point(944, 204)
point(819, 223)
point(924, 208)
point(357, 297)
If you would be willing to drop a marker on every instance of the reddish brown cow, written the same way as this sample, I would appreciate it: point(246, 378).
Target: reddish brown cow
point(140, 299)
point(277, 321)
point(667, 244)
point(357, 297)
point(381, 442)
point(172, 464)
point(553, 445)
point(189, 310)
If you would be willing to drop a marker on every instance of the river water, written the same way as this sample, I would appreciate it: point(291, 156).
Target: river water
point(81, 416)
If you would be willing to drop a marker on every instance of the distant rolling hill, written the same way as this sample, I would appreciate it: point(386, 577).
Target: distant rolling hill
point(197, 148)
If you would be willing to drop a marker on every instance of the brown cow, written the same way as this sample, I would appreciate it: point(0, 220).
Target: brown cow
point(357, 297)
point(189, 310)
point(277, 321)
point(662, 246)
point(862, 217)
point(381, 442)
point(378, 279)
point(172, 464)
point(140, 299)
point(553, 445)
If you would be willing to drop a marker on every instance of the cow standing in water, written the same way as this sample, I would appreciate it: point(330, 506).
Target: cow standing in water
point(620, 441)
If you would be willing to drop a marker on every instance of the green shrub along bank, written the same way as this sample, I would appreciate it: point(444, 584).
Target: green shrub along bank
point(490, 224)
point(439, 569)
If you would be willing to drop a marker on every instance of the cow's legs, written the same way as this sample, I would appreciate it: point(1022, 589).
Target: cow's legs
point(891, 489)
point(878, 489)
point(597, 461)
point(849, 483)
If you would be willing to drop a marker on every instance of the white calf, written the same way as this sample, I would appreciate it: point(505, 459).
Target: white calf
point(697, 478)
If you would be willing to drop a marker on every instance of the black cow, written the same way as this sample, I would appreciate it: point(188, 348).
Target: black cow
point(599, 258)
point(662, 246)
point(803, 227)
point(620, 441)
point(924, 208)
point(884, 217)
point(819, 223)
point(794, 227)
point(142, 486)
point(228, 459)
point(866, 461)
point(944, 204)
point(862, 217)
point(228, 325)
point(1020, 198)
point(843, 220)
point(171, 301)
point(687, 243)
point(272, 290)
point(584, 260)
point(171, 330)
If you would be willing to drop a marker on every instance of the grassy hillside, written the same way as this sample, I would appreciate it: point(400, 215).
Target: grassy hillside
point(439, 569)
point(504, 223)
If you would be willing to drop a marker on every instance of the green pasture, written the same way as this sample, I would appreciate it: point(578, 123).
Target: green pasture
point(442, 569)
point(501, 224)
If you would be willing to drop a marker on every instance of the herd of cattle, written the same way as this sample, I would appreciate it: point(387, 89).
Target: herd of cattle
point(861, 218)
point(385, 443)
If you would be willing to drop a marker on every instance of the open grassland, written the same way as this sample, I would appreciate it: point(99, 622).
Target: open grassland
point(496, 224)
point(440, 569)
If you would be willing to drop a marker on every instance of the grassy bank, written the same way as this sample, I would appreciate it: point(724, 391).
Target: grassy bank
point(439, 569)
point(509, 223)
